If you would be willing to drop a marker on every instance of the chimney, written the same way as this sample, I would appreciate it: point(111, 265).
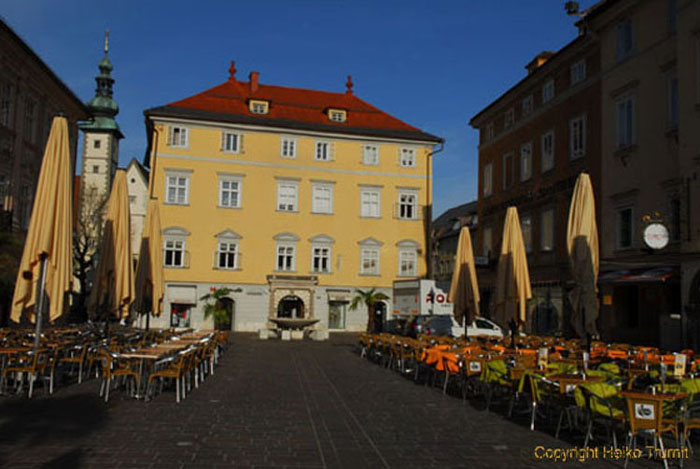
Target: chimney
point(538, 61)
point(253, 81)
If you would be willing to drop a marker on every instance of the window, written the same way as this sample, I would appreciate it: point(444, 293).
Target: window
point(407, 157)
point(671, 6)
point(174, 255)
point(29, 120)
point(259, 107)
point(490, 131)
point(625, 40)
point(370, 203)
point(526, 161)
point(337, 115)
point(547, 91)
point(369, 261)
point(285, 258)
point(526, 228)
point(229, 192)
point(547, 230)
point(370, 154)
point(508, 170)
point(287, 196)
point(487, 180)
point(548, 151)
point(227, 255)
point(626, 121)
point(407, 209)
point(408, 258)
point(5, 104)
point(132, 199)
point(231, 142)
point(673, 102)
point(578, 72)
point(509, 119)
point(322, 198)
point(95, 169)
point(289, 147)
point(96, 144)
point(486, 242)
point(321, 259)
point(177, 188)
point(323, 151)
point(178, 137)
point(577, 137)
point(528, 105)
point(624, 228)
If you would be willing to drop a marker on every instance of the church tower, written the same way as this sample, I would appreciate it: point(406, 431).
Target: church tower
point(101, 134)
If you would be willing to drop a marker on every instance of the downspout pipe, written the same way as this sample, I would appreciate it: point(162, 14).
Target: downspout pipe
point(429, 211)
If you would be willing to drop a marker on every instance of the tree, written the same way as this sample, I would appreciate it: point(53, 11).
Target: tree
point(89, 222)
point(370, 298)
point(215, 306)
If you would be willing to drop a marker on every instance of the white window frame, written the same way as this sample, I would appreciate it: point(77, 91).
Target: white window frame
point(401, 214)
point(626, 121)
point(370, 261)
point(547, 156)
point(487, 185)
point(526, 161)
point(321, 249)
point(407, 157)
point(577, 137)
point(370, 154)
point(548, 91)
point(510, 155)
point(543, 245)
point(223, 179)
point(337, 115)
point(578, 72)
point(259, 107)
point(407, 253)
point(287, 242)
point(226, 137)
point(368, 207)
point(178, 136)
point(317, 188)
point(509, 118)
point(618, 227)
point(177, 186)
point(287, 183)
point(528, 105)
point(175, 240)
point(288, 147)
point(230, 253)
point(323, 151)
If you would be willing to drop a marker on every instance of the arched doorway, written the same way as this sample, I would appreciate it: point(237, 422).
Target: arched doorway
point(230, 306)
point(379, 316)
point(291, 306)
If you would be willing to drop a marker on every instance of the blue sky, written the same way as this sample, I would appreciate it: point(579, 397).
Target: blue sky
point(431, 64)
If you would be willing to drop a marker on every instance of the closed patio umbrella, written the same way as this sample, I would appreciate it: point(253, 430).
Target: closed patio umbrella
point(149, 271)
point(582, 245)
point(513, 279)
point(47, 260)
point(113, 289)
point(464, 288)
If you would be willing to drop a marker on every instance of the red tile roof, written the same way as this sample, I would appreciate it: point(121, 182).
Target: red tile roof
point(291, 107)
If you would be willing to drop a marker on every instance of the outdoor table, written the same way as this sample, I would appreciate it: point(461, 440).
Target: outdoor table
point(141, 356)
point(567, 382)
point(659, 396)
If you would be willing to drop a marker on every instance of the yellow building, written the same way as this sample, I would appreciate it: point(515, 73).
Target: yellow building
point(292, 198)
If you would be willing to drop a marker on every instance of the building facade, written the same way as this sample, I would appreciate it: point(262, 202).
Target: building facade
point(291, 198)
point(30, 96)
point(445, 238)
point(650, 57)
point(137, 187)
point(534, 141)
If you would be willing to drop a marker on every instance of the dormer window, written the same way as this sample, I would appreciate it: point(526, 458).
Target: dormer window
point(337, 115)
point(259, 107)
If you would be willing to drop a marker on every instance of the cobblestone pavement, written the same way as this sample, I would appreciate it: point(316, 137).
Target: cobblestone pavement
point(274, 404)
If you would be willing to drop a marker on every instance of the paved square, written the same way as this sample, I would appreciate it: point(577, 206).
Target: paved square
point(273, 404)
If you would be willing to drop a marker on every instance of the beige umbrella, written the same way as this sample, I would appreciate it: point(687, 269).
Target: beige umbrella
point(149, 272)
point(47, 258)
point(464, 289)
point(113, 289)
point(582, 245)
point(513, 280)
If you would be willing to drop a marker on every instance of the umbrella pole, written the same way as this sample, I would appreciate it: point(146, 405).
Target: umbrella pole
point(41, 298)
point(148, 318)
